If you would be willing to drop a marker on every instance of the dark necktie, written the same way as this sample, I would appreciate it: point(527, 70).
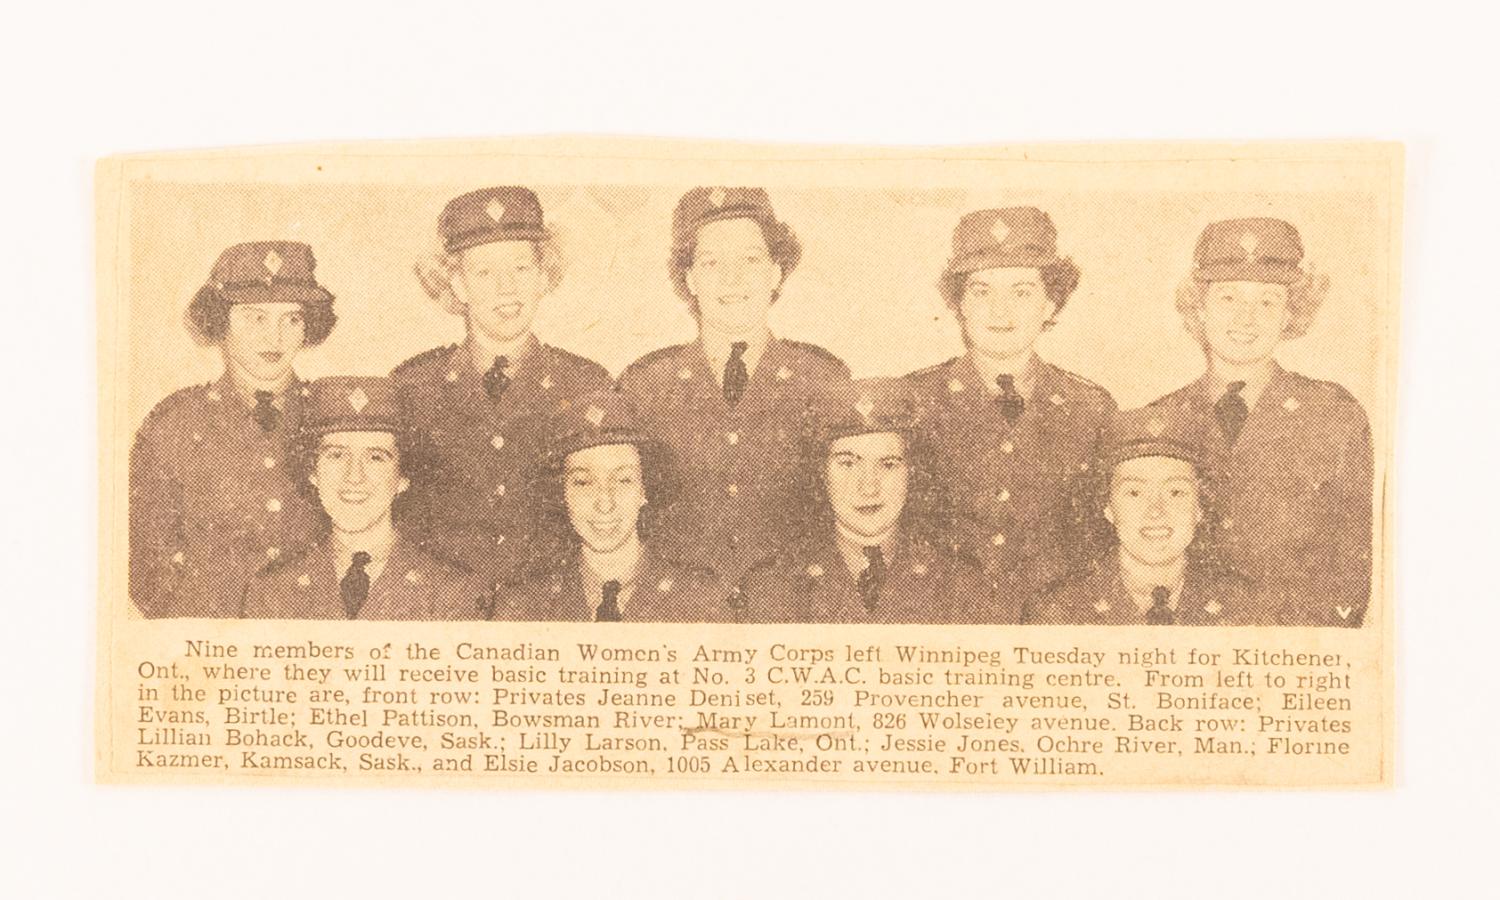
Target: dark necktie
point(495, 380)
point(1160, 613)
point(265, 412)
point(609, 607)
point(1012, 404)
point(354, 587)
point(872, 578)
point(736, 376)
point(1232, 411)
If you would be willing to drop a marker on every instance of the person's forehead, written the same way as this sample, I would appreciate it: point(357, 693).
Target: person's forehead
point(276, 308)
point(1247, 287)
point(1154, 468)
point(497, 251)
point(605, 456)
point(1006, 275)
point(731, 233)
point(877, 443)
point(358, 439)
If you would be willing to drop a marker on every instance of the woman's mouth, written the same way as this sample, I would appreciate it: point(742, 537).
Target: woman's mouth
point(1156, 532)
point(354, 497)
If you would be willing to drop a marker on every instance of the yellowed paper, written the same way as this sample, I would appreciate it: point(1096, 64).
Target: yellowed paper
point(1280, 676)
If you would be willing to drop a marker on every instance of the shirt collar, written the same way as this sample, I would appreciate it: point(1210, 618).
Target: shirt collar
point(481, 356)
point(624, 566)
point(1216, 385)
point(717, 349)
point(852, 549)
point(1140, 581)
point(380, 544)
point(990, 368)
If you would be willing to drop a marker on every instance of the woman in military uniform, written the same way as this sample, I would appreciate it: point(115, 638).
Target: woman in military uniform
point(869, 553)
point(1012, 434)
point(1297, 487)
point(356, 458)
point(601, 486)
point(1151, 496)
point(480, 405)
point(211, 497)
point(733, 405)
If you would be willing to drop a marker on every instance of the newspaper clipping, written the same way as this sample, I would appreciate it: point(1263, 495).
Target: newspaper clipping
point(587, 463)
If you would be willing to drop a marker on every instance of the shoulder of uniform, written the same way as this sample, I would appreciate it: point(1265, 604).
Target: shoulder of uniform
point(440, 562)
point(656, 360)
point(281, 567)
point(182, 400)
point(930, 374)
point(1080, 387)
point(565, 359)
point(1329, 392)
point(821, 355)
point(423, 360)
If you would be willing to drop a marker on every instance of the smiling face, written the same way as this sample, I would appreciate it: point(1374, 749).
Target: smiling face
point(604, 492)
point(1004, 311)
point(1243, 321)
point(358, 477)
point(501, 286)
point(262, 341)
point(1153, 504)
point(733, 277)
point(867, 477)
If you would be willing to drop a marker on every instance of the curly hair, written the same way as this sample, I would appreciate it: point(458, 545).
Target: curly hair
point(1059, 279)
point(554, 528)
point(413, 462)
point(926, 515)
point(781, 241)
point(207, 316)
point(1304, 297)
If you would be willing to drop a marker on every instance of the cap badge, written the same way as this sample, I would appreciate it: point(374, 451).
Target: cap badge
point(358, 400)
point(1000, 230)
point(595, 415)
point(272, 262)
point(864, 407)
point(1249, 243)
point(495, 210)
point(716, 196)
point(1156, 427)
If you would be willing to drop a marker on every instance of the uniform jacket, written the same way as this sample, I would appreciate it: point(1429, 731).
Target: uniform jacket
point(1012, 486)
point(1098, 596)
point(474, 503)
point(737, 464)
point(212, 500)
point(812, 583)
point(664, 591)
point(1295, 495)
point(414, 585)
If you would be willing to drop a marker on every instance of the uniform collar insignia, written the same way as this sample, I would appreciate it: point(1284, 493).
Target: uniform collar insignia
point(304, 580)
point(1212, 607)
point(1291, 404)
point(547, 382)
point(783, 373)
point(1101, 607)
point(413, 576)
point(919, 569)
point(815, 570)
point(685, 373)
point(1057, 399)
point(955, 386)
point(664, 585)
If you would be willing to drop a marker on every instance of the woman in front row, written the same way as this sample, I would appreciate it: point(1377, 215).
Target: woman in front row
point(601, 487)
point(869, 554)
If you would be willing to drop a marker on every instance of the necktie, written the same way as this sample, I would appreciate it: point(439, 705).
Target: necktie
point(265, 413)
point(871, 579)
point(1232, 411)
point(609, 607)
point(495, 380)
point(736, 376)
point(1012, 404)
point(1160, 613)
point(354, 587)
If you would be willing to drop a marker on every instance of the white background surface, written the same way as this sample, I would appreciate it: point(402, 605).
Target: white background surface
point(80, 83)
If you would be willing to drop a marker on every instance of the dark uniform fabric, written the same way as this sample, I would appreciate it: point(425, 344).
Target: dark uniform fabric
point(664, 591)
point(212, 500)
point(414, 585)
point(472, 501)
point(738, 462)
point(1011, 485)
point(812, 583)
point(1294, 494)
point(1099, 597)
